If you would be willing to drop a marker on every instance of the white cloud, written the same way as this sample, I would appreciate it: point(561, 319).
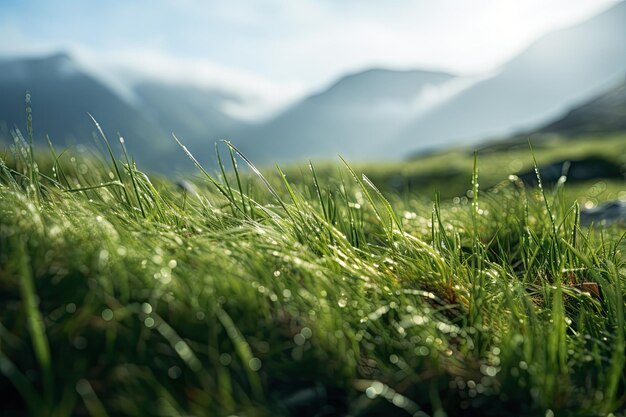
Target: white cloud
point(260, 97)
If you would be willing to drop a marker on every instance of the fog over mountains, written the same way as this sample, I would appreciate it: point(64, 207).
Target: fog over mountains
point(351, 117)
point(557, 71)
point(369, 115)
point(63, 94)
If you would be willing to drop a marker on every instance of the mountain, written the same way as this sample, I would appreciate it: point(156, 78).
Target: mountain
point(63, 94)
point(561, 68)
point(195, 114)
point(604, 114)
point(351, 117)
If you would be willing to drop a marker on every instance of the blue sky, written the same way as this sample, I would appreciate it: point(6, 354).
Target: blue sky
point(283, 47)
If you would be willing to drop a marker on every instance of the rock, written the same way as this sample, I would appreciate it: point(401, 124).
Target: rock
point(613, 212)
point(590, 168)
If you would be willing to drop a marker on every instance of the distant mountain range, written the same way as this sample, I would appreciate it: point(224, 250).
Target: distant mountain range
point(62, 95)
point(350, 117)
point(370, 115)
point(562, 68)
point(558, 70)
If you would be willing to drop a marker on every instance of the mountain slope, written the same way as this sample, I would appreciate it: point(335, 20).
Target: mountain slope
point(350, 117)
point(561, 68)
point(605, 113)
point(63, 94)
point(196, 115)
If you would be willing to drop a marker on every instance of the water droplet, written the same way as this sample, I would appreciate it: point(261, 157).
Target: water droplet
point(174, 372)
point(299, 339)
point(107, 314)
point(80, 342)
point(225, 359)
point(254, 364)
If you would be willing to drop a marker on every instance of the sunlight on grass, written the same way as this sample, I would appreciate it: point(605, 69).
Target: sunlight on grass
point(314, 293)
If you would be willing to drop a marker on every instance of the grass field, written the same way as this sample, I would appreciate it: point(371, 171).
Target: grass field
point(313, 293)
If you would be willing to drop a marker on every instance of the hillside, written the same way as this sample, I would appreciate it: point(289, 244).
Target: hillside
point(63, 93)
point(604, 114)
point(195, 114)
point(351, 117)
point(556, 71)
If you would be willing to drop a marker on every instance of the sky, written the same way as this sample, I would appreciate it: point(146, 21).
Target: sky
point(279, 50)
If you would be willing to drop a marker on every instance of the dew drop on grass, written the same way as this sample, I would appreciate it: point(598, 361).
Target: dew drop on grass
point(399, 401)
point(488, 370)
point(254, 364)
point(107, 314)
point(149, 322)
point(422, 351)
point(174, 372)
point(299, 339)
point(70, 308)
point(225, 359)
point(146, 308)
point(83, 388)
point(342, 302)
point(306, 332)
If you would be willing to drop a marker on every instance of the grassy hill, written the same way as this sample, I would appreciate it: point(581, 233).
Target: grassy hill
point(307, 294)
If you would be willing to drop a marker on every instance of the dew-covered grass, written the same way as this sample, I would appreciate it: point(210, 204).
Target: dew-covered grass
point(124, 294)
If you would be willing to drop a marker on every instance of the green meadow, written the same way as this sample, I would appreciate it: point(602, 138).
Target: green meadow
point(441, 286)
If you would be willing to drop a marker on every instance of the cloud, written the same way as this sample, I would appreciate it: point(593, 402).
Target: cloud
point(259, 96)
point(270, 51)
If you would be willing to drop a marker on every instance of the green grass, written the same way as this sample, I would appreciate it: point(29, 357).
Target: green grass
point(302, 293)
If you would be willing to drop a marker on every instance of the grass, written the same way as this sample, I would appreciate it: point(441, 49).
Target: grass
point(122, 294)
